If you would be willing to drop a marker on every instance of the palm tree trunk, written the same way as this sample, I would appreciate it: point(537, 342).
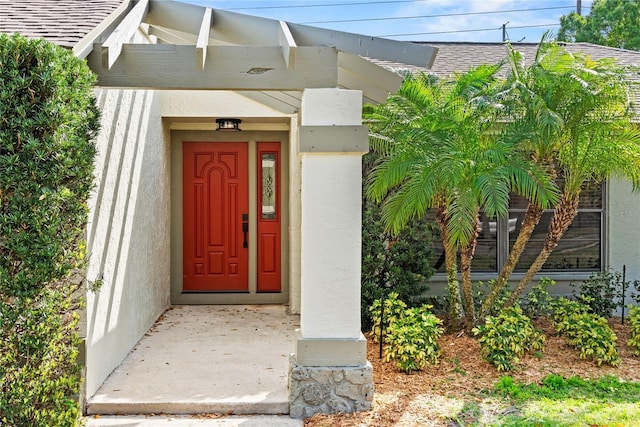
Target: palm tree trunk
point(451, 264)
point(563, 216)
point(466, 257)
point(529, 222)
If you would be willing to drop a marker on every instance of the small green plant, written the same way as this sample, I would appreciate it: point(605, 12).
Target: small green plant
point(634, 322)
point(394, 309)
point(602, 292)
point(507, 385)
point(457, 368)
point(538, 301)
point(506, 337)
point(413, 339)
point(586, 331)
point(554, 387)
point(482, 289)
point(554, 382)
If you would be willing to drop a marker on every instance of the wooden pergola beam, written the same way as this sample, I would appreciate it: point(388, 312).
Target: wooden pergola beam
point(377, 83)
point(164, 66)
point(203, 39)
point(366, 46)
point(112, 47)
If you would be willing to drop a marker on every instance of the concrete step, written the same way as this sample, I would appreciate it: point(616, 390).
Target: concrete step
point(192, 421)
point(243, 405)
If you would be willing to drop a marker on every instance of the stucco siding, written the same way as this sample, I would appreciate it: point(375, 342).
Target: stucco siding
point(623, 218)
point(128, 231)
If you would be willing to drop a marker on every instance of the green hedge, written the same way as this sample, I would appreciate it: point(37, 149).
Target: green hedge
point(48, 120)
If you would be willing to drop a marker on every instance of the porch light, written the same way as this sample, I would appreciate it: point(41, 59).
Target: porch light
point(229, 125)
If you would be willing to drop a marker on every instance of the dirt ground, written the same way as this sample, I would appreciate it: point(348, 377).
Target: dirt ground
point(433, 396)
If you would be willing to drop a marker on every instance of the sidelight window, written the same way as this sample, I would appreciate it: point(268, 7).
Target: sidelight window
point(269, 181)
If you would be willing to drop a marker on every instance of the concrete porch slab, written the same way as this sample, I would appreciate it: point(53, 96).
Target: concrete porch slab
point(225, 359)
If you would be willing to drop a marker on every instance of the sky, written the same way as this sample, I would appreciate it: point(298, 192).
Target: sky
point(417, 20)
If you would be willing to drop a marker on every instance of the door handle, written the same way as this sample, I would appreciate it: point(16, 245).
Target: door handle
point(245, 230)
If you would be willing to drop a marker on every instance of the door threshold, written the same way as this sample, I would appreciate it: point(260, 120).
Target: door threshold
point(213, 298)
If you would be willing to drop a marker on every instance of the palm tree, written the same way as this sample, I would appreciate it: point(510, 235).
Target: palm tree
point(532, 95)
point(600, 141)
point(439, 149)
point(570, 114)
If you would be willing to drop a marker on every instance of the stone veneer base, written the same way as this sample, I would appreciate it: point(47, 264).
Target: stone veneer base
point(329, 389)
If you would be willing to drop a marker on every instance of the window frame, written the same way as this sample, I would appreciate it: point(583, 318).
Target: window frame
point(502, 251)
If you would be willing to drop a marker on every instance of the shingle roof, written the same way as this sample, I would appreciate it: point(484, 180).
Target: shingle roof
point(63, 22)
point(460, 56)
point(455, 57)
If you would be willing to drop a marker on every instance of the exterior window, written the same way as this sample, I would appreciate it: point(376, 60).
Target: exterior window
point(580, 248)
point(268, 196)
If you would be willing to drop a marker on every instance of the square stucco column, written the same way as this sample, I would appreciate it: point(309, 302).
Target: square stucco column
point(330, 372)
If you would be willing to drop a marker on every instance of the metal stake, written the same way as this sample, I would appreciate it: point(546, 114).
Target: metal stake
point(624, 287)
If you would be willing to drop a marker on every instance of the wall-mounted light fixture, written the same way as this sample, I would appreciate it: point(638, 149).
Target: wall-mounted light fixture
point(229, 125)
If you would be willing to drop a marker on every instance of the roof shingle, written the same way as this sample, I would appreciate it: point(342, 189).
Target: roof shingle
point(63, 22)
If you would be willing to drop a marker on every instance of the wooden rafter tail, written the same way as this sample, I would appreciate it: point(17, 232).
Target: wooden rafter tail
point(203, 39)
point(112, 47)
point(288, 43)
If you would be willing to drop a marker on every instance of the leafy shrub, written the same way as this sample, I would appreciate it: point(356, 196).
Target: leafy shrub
point(48, 119)
point(586, 331)
point(40, 376)
point(538, 301)
point(481, 290)
point(635, 296)
point(592, 335)
point(413, 339)
point(506, 337)
point(394, 309)
point(634, 322)
point(398, 264)
point(602, 292)
point(563, 309)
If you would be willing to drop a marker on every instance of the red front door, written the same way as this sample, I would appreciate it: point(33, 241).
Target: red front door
point(215, 216)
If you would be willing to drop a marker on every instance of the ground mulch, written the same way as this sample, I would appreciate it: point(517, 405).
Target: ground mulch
point(432, 396)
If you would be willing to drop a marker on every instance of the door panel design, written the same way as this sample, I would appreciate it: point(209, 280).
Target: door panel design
point(269, 217)
point(215, 196)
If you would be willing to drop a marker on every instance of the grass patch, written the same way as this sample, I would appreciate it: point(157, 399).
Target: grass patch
point(574, 401)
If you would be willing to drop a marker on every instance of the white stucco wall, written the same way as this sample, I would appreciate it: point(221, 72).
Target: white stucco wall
point(128, 231)
point(623, 218)
point(212, 104)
